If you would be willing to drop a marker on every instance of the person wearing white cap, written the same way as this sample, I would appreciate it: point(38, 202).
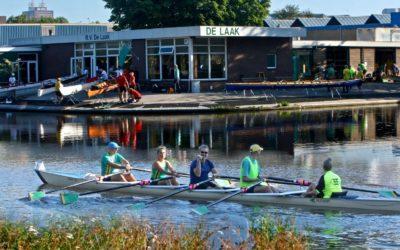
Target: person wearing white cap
point(112, 162)
point(250, 172)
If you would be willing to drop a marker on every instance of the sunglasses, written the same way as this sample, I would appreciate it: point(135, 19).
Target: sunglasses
point(203, 152)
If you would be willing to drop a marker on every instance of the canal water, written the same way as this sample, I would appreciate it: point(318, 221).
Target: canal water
point(363, 144)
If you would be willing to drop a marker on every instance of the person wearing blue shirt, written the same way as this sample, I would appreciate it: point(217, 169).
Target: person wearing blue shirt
point(201, 167)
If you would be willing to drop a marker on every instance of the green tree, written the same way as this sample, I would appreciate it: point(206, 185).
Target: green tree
point(292, 11)
point(23, 19)
point(136, 14)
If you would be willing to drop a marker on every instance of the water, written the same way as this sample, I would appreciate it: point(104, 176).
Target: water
point(363, 143)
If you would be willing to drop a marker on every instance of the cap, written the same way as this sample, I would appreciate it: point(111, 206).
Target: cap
point(113, 145)
point(255, 148)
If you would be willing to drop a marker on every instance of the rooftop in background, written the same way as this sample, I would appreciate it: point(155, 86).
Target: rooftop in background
point(311, 22)
point(277, 23)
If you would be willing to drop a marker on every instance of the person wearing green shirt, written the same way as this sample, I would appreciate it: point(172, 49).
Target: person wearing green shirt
point(329, 185)
point(330, 73)
point(112, 163)
point(250, 172)
point(162, 169)
point(353, 73)
point(346, 73)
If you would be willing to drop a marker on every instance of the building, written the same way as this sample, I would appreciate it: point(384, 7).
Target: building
point(3, 19)
point(37, 12)
point(25, 59)
point(210, 54)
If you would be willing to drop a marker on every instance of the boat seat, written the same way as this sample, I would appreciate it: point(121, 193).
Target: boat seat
point(339, 194)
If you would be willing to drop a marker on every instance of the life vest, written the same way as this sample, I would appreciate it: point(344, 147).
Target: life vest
point(333, 184)
point(253, 173)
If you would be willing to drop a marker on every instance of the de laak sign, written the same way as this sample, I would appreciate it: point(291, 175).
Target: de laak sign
point(222, 31)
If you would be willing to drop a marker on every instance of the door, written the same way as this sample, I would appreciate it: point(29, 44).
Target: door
point(89, 65)
point(32, 72)
point(76, 66)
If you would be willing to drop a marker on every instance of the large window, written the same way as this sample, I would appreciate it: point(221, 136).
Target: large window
point(209, 58)
point(163, 54)
point(105, 55)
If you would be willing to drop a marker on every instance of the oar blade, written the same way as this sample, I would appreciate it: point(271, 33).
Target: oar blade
point(387, 194)
point(69, 198)
point(34, 196)
point(202, 210)
point(138, 206)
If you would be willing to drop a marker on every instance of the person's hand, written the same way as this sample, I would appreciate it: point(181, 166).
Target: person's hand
point(199, 157)
point(128, 168)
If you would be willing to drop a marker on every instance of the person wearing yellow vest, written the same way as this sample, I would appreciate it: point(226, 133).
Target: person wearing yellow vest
point(250, 172)
point(162, 169)
point(58, 86)
point(346, 73)
point(329, 185)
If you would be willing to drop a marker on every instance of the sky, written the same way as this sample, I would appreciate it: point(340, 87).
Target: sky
point(93, 10)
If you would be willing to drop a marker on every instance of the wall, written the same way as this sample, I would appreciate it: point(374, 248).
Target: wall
point(338, 34)
point(247, 57)
point(139, 58)
point(55, 60)
point(398, 56)
point(369, 57)
point(354, 57)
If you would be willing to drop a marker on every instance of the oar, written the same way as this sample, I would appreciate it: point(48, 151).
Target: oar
point(68, 198)
point(149, 171)
point(383, 193)
point(202, 210)
point(33, 196)
point(142, 205)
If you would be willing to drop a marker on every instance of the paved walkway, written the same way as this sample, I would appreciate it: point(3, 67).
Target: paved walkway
point(370, 94)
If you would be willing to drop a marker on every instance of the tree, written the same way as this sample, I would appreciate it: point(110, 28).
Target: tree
point(24, 19)
point(292, 11)
point(136, 14)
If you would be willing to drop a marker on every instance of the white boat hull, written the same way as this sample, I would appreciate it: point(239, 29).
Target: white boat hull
point(375, 205)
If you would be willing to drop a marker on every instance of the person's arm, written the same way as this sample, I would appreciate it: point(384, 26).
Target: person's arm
point(321, 185)
point(213, 169)
point(197, 169)
point(170, 168)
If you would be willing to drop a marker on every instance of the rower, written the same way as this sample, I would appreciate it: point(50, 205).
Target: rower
point(162, 169)
point(329, 185)
point(250, 172)
point(201, 167)
point(58, 86)
point(112, 161)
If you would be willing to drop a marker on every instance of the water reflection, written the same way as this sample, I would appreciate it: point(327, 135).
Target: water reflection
point(279, 131)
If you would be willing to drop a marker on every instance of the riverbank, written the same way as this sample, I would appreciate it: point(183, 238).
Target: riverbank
point(130, 234)
point(372, 94)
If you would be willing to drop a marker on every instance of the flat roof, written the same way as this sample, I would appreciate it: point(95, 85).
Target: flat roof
point(20, 49)
point(160, 33)
point(309, 44)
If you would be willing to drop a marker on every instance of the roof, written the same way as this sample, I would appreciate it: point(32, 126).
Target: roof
point(276, 23)
point(348, 20)
point(161, 33)
point(310, 22)
point(379, 19)
point(308, 44)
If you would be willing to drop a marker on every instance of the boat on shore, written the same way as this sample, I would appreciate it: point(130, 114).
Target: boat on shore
point(292, 198)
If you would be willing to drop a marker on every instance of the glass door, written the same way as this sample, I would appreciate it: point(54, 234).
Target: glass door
point(89, 65)
point(76, 66)
point(32, 72)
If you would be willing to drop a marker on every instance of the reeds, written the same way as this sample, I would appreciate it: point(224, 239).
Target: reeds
point(130, 234)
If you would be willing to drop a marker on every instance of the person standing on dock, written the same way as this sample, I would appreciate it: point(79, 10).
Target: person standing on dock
point(177, 79)
point(58, 86)
point(201, 167)
point(346, 73)
point(250, 172)
point(123, 86)
point(329, 185)
point(112, 162)
point(12, 81)
point(162, 168)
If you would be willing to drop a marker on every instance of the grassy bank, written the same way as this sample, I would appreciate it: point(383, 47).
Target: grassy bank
point(265, 234)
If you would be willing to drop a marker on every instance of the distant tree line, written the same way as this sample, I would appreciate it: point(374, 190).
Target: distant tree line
point(292, 11)
point(24, 19)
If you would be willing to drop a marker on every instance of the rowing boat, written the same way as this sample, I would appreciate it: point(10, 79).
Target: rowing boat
point(292, 198)
point(102, 88)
